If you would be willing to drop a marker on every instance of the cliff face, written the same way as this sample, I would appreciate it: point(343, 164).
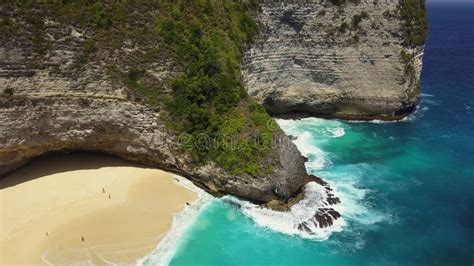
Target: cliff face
point(96, 77)
point(348, 60)
point(34, 125)
point(55, 109)
point(58, 93)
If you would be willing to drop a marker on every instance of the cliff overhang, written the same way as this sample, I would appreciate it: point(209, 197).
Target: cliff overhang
point(357, 60)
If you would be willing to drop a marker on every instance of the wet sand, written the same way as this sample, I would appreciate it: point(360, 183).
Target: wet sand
point(85, 208)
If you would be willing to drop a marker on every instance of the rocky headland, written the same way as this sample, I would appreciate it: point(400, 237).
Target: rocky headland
point(111, 78)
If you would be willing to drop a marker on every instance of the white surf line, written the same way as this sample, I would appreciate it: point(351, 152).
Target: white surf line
point(303, 211)
point(167, 247)
point(351, 207)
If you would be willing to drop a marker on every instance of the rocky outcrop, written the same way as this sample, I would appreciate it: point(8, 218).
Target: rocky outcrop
point(59, 91)
point(33, 126)
point(48, 113)
point(53, 101)
point(319, 58)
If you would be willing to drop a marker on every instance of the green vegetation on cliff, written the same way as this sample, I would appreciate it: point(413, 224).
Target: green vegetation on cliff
point(200, 41)
point(412, 13)
point(408, 66)
point(209, 101)
point(415, 22)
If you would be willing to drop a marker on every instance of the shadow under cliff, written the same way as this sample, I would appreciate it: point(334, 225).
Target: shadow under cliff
point(60, 162)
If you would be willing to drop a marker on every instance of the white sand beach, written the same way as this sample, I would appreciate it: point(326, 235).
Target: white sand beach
point(85, 207)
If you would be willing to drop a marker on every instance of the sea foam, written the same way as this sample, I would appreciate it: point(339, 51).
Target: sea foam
point(287, 222)
point(317, 157)
point(343, 180)
point(163, 253)
point(337, 132)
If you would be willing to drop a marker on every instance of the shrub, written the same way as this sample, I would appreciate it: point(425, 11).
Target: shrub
point(415, 22)
point(343, 28)
point(8, 92)
point(337, 2)
point(355, 38)
point(202, 39)
point(99, 16)
point(375, 25)
point(408, 66)
point(357, 19)
point(207, 40)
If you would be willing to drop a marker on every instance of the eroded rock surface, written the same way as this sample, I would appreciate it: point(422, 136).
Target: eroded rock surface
point(316, 58)
point(51, 101)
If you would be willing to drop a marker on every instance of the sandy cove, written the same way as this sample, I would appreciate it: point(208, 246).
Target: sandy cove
point(85, 207)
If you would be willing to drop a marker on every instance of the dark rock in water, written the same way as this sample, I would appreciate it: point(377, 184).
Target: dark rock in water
point(324, 217)
point(333, 200)
point(324, 220)
point(300, 227)
point(334, 214)
point(304, 227)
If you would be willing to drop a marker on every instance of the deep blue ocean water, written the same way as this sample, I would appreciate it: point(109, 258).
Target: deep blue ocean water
point(407, 187)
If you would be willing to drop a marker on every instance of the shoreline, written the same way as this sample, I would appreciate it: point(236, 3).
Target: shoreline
point(111, 211)
point(398, 116)
point(182, 220)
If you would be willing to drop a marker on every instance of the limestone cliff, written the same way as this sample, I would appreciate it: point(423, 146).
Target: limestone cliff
point(59, 93)
point(345, 59)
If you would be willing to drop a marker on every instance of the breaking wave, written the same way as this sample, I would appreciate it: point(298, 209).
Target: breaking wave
point(317, 159)
point(338, 132)
point(343, 179)
point(309, 133)
point(163, 253)
point(287, 222)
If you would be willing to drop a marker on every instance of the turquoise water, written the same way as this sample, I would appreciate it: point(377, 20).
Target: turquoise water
point(407, 188)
